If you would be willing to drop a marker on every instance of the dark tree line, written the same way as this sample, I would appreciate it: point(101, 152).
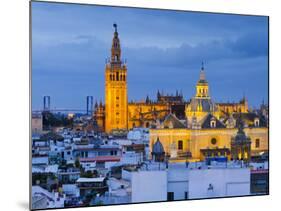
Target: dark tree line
point(51, 120)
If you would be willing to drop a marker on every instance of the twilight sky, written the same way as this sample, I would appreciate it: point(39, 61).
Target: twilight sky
point(163, 49)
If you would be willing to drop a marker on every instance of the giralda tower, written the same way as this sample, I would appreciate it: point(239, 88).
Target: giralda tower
point(116, 99)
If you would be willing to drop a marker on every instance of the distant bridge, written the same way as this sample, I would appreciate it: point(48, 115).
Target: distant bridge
point(47, 107)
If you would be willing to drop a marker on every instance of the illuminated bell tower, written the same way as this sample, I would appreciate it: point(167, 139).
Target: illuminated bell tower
point(116, 100)
point(202, 87)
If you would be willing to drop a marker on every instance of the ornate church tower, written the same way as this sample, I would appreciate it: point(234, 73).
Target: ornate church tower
point(202, 87)
point(201, 104)
point(116, 100)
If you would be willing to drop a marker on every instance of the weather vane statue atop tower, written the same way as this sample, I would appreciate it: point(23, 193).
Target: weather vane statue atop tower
point(115, 26)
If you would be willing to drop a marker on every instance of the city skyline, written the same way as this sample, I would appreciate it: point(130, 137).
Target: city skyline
point(73, 59)
point(173, 119)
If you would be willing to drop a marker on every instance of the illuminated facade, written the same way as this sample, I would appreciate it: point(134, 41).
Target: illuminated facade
point(210, 131)
point(145, 114)
point(228, 108)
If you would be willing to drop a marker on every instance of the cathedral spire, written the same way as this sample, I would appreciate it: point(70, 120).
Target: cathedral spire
point(147, 100)
point(158, 95)
point(96, 104)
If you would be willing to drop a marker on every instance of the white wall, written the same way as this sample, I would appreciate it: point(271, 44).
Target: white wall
point(71, 189)
point(178, 182)
point(126, 175)
point(225, 182)
point(149, 186)
point(131, 158)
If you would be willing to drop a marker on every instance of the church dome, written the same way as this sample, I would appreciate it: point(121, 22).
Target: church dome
point(205, 105)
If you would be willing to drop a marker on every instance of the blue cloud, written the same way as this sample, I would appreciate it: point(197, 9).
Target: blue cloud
point(164, 50)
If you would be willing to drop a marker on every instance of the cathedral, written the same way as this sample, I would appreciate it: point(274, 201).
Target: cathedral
point(187, 130)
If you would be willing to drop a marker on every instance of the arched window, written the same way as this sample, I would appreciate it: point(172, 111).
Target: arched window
point(213, 123)
point(117, 76)
point(257, 122)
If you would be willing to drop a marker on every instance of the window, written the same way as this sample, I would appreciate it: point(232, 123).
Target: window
point(257, 122)
point(147, 125)
point(113, 152)
point(257, 143)
point(117, 76)
point(180, 145)
point(117, 98)
point(170, 196)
